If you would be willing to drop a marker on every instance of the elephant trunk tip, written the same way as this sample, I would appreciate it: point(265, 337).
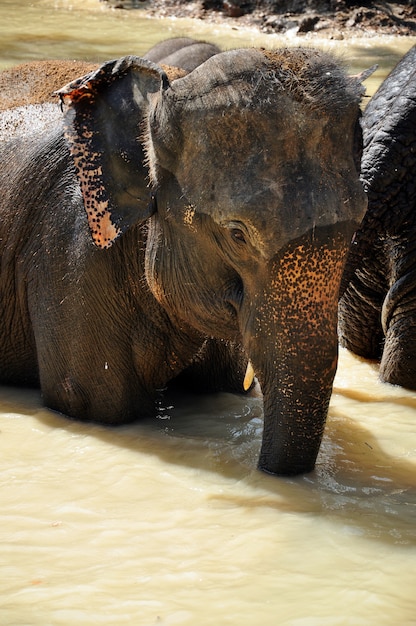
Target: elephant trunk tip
point(287, 465)
point(283, 470)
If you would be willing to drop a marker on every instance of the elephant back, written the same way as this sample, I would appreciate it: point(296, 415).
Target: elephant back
point(389, 161)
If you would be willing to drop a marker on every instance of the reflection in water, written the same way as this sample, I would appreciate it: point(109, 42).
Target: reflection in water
point(168, 521)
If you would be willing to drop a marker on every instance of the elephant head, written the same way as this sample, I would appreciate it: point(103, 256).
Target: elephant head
point(253, 199)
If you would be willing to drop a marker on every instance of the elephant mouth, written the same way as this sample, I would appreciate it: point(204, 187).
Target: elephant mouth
point(227, 327)
point(233, 298)
point(232, 311)
point(218, 319)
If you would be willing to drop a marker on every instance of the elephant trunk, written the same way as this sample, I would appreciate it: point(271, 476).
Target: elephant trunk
point(294, 349)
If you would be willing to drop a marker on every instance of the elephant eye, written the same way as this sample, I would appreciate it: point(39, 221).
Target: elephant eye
point(238, 231)
point(238, 235)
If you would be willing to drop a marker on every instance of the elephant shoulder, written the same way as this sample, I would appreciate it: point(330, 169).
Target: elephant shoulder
point(29, 122)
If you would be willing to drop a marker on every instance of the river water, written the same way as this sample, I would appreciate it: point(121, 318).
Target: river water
point(169, 522)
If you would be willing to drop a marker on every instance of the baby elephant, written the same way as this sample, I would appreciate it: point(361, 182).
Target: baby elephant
point(162, 226)
point(378, 309)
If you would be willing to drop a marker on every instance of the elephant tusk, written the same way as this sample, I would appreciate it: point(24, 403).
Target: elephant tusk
point(249, 377)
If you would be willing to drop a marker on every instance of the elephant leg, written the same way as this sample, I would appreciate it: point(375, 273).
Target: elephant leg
point(398, 363)
point(359, 312)
point(359, 326)
point(87, 375)
point(18, 360)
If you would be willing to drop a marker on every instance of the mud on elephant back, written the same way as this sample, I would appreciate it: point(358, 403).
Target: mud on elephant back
point(110, 289)
point(377, 312)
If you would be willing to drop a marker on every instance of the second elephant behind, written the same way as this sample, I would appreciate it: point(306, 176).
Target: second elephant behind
point(377, 312)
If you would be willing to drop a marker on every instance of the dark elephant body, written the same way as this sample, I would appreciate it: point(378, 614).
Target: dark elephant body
point(182, 52)
point(115, 323)
point(111, 289)
point(378, 308)
point(34, 133)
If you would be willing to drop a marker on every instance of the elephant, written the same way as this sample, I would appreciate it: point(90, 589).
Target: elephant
point(183, 52)
point(192, 229)
point(377, 309)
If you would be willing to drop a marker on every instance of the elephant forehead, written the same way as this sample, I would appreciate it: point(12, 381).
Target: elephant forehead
point(234, 142)
point(242, 143)
point(249, 77)
point(281, 176)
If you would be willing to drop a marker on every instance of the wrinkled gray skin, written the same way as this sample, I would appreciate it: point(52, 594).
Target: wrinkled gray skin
point(110, 289)
point(378, 309)
point(182, 52)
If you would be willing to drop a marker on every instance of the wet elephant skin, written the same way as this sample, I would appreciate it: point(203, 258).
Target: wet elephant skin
point(378, 308)
point(233, 252)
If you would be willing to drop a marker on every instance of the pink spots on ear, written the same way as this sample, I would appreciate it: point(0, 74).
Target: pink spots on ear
point(90, 176)
point(80, 134)
point(75, 91)
point(103, 231)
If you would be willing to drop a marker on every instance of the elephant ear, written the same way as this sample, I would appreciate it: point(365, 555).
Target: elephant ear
point(103, 112)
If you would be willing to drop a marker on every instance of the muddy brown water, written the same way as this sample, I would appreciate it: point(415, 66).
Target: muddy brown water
point(169, 522)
